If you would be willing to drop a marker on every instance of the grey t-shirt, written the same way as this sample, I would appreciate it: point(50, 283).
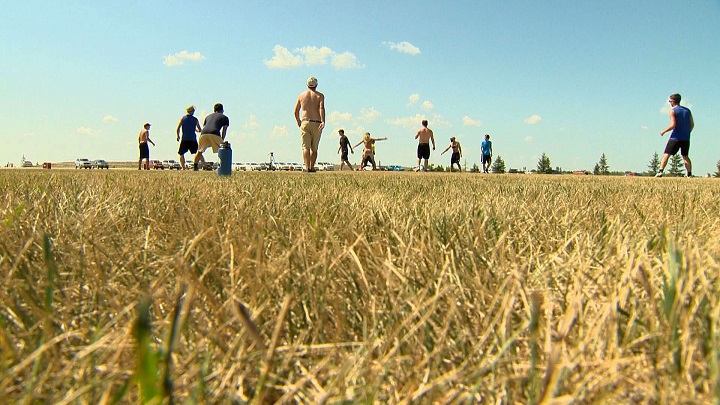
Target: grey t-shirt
point(214, 123)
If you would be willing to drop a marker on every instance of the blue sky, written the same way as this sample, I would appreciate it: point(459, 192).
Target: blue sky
point(572, 79)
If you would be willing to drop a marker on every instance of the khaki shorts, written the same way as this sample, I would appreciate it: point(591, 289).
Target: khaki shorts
point(310, 135)
point(209, 140)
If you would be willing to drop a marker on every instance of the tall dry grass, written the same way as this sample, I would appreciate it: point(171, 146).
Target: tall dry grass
point(363, 287)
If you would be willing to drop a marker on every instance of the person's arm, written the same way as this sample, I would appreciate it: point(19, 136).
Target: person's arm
point(322, 112)
point(692, 123)
point(357, 144)
point(459, 149)
point(224, 131)
point(197, 124)
point(417, 134)
point(150, 140)
point(177, 130)
point(672, 123)
point(297, 112)
point(339, 147)
point(432, 138)
point(380, 139)
point(446, 149)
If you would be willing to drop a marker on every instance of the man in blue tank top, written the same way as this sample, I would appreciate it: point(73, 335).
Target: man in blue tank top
point(189, 125)
point(681, 125)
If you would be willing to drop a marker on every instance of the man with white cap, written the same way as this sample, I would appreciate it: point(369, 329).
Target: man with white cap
point(311, 123)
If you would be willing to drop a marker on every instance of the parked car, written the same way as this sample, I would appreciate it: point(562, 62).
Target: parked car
point(82, 163)
point(27, 163)
point(209, 166)
point(171, 164)
point(99, 164)
point(254, 166)
point(326, 166)
point(297, 167)
point(156, 165)
point(395, 168)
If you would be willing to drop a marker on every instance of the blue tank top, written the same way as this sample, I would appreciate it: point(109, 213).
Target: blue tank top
point(682, 129)
point(189, 125)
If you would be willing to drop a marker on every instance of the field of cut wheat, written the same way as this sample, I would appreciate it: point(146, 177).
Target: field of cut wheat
point(127, 287)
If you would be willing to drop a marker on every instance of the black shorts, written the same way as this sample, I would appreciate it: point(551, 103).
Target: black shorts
point(144, 151)
point(423, 151)
point(486, 159)
point(187, 146)
point(455, 158)
point(344, 157)
point(675, 145)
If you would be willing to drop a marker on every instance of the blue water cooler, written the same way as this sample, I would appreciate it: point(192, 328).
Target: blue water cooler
point(225, 156)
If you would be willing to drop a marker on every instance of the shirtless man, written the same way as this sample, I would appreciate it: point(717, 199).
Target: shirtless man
point(311, 123)
point(424, 137)
point(456, 153)
point(143, 139)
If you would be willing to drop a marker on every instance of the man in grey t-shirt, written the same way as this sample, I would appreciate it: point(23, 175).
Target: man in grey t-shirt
point(212, 134)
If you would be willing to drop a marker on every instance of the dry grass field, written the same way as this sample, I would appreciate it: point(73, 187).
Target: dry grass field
point(157, 287)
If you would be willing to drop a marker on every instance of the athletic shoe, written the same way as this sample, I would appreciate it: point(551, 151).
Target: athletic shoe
point(659, 174)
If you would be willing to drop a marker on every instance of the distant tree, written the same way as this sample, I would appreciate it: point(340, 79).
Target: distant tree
point(676, 166)
point(602, 168)
point(654, 164)
point(498, 166)
point(475, 168)
point(717, 166)
point(543, 166)
point(438, 168)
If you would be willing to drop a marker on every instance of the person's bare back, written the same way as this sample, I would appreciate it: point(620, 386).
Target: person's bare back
point(312, 104)
point(425, 135)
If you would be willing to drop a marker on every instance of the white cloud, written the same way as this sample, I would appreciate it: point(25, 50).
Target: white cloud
point(414, 98)
point(403, 47)
point(311, 56)
point(314, 55)
point(427, 106)
point(469, 122)
point(369, 114)
point(529, 139)
point(109, 118)
point(346, 60)
point(280, 132)
point(337, 117)
point(415, 121)
point(86, 131)
point(251, 123)
point(283, 59)
point(533, 119)
point(180, 58)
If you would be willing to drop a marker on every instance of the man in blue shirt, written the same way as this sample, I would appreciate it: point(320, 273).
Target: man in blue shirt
point(189, 125)
point(681, 125)
point(486, 149)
